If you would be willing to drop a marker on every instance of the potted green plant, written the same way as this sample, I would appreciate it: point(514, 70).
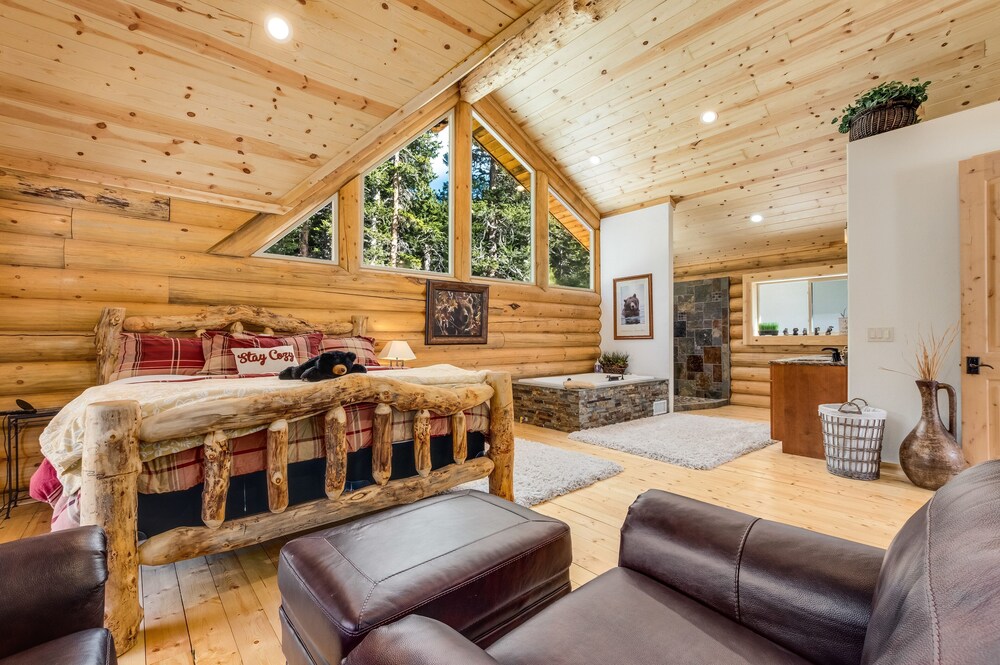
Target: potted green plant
point(614, 362)
point(887, 106)
point(768, 328)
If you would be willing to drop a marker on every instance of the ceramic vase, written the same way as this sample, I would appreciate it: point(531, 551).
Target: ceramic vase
point(930, 454)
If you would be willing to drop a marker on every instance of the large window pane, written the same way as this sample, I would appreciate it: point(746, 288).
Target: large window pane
point(829, 303)
point(501, 210)
point(784, 303)
point(570, 246)
point(313, 238)
point(407, 218)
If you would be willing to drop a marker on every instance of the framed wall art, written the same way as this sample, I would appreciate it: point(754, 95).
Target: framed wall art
point(457, 313)
point(634, 307)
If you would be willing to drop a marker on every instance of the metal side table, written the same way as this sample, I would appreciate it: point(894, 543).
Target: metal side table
point(12, 424)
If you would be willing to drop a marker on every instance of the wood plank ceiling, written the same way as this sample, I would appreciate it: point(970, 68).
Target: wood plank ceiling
point(191, 96)
point(630, 89)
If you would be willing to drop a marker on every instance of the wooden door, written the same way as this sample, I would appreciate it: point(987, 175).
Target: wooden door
point(980, 228)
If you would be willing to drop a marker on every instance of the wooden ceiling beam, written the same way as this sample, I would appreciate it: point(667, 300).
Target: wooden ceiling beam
point(549, 32)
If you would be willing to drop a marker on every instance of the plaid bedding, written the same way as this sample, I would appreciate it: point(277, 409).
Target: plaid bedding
point(184, 469)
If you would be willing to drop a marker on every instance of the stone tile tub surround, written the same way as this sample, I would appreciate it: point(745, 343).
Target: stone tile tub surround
point(570, 410)
point(701, 338)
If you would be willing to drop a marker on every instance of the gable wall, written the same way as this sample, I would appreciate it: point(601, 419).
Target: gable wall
point(62, 261)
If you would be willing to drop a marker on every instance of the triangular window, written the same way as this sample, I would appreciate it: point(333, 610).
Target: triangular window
point(312, 239)
point(571, 242)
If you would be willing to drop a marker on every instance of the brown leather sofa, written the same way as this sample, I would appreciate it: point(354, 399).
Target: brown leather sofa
point(698, 584)
point(52, 600)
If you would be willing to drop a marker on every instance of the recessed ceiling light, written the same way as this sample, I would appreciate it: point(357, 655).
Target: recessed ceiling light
point(595, 160)
point(756, 218)
point(709, 117)
point(278, 28)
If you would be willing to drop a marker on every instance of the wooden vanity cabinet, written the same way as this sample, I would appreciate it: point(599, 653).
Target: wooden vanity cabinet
point(797, 390)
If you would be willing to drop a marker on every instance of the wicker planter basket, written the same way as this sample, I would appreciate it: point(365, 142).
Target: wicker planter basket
point(615, 369)
point(885, 118)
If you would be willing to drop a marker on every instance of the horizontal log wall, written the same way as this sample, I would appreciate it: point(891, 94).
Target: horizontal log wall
point(751, 378)
point(60, 265)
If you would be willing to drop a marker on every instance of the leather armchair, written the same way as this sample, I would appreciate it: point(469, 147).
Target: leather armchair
point(53, 599)
point(699, 584)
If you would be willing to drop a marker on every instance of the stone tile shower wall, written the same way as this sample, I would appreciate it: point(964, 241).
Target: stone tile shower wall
point(701, 338)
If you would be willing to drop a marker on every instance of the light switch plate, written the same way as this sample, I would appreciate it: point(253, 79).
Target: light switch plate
point(881, 334)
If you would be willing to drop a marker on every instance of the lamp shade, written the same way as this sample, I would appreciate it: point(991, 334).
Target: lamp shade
point(397, 350)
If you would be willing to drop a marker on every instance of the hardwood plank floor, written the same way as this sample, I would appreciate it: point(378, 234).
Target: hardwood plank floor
point(222, 609)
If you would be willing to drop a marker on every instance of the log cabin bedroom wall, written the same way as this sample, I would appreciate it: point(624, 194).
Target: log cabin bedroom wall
point(67, 249)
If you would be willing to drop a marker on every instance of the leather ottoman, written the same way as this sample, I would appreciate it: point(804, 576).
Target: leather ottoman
point(478, 563)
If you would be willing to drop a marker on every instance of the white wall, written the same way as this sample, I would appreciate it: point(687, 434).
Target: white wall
point(903, 253)
point(636, 243)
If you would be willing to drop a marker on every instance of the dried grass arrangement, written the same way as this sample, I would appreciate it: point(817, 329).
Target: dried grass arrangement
point(931, 352)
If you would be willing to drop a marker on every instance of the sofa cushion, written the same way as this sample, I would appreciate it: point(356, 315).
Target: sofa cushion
point(936, 599)
point(87, 647)
point(471, 560)
point(625, 617)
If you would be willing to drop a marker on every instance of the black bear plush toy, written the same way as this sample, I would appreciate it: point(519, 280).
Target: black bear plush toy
point(325, 366)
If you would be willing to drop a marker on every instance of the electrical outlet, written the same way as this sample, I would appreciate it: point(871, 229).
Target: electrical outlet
point(881, 334)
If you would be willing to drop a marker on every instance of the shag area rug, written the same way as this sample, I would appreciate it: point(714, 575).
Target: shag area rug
point(544, 472)
point(697, 442)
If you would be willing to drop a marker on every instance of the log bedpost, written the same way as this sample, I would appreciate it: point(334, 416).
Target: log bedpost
point(335, 434)
point(359, 323)
point(459, 438)
point(382, 444)
point(422, 442)
point(218, 467)
point(501, 435)
point(277, 466)
point(109, 327)
point(109, 499)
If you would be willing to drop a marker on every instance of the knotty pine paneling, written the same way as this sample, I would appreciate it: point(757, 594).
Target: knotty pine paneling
point(59, 266)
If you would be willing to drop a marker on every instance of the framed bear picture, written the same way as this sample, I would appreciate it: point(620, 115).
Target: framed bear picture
point(457, 313)
point(634, 307)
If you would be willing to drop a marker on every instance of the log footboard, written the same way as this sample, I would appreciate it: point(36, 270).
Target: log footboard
point(111, 465)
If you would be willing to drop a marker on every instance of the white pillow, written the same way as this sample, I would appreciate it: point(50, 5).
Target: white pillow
point(264, 360)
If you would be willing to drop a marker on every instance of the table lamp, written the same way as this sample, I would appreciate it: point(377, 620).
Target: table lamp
point(397, 351)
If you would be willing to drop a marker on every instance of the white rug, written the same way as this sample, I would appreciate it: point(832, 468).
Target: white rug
point(544, 472)
point(697, 442)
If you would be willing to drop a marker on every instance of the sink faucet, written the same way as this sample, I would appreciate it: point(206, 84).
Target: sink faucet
point(834, 354)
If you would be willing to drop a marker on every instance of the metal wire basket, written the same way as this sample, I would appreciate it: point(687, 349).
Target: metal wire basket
point(852, 439)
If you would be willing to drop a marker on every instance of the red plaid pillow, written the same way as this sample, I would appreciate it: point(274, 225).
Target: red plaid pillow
point(362, 347)
point(144, 355)
point(218, 348)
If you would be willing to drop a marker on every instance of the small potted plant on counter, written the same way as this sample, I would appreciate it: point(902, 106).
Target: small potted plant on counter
point(888, 106)
point(614, 362)
point(767, 328)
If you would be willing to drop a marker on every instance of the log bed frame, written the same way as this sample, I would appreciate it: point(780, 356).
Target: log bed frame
point(111, 463)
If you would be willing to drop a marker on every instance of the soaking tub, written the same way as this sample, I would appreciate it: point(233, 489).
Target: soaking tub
point(546, 402)
point(599, 380)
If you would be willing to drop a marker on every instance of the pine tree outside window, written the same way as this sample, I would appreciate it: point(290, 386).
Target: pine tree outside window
point(571, 247)
point(502, 216)
point(407, 206)
point(314, 238)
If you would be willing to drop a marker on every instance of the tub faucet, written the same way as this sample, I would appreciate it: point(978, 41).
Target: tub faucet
point(834, 354)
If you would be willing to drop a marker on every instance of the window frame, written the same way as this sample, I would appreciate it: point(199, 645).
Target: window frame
point(593, 243)
point(334, 259)
point(533, 277)
point(450, 116)
point(751, 284)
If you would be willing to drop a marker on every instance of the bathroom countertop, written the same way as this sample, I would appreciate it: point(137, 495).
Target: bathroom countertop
point(809, 360)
